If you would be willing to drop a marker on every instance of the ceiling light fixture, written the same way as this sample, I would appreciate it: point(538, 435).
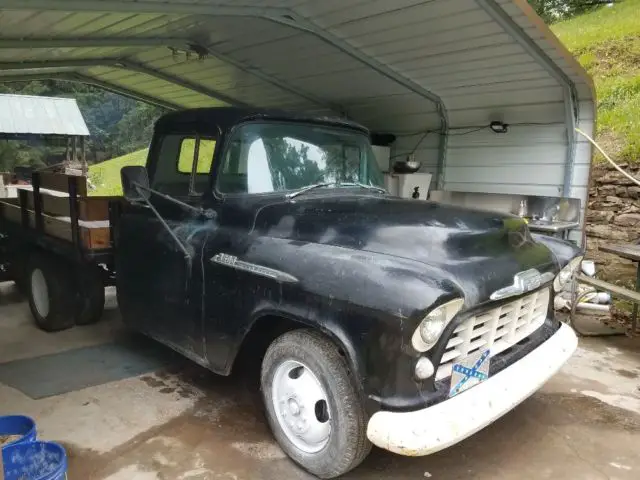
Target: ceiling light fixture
point(499, 127)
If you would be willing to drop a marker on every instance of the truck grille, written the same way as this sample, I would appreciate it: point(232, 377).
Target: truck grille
point(497, 329)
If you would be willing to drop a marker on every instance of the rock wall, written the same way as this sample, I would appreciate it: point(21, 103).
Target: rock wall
point(613, 216)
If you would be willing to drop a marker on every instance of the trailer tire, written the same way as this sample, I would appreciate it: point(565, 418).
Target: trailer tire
point(320, 423)
point(90, 300)
point(51, 292)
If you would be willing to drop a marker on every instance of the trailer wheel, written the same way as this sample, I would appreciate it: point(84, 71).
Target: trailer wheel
point(90, 300)
point(312, 405)
point(51, 293)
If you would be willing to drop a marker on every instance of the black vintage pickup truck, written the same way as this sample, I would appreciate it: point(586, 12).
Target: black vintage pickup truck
point(373, 316)
point(377, 320)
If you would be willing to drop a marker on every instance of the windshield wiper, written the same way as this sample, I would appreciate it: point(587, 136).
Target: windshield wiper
point(362, 185)
point(335, 184)
point(307, 188)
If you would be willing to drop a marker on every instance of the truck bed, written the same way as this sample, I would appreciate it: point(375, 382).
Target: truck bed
point(56, 208)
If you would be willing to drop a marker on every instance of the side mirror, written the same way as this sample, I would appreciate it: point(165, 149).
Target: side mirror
point(131, 177)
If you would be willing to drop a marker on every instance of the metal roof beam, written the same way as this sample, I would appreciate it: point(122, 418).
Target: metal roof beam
point(33, 77)
point(53, 64)
point(168, 42)
point(138, 67)
point(71, 76)
point(124, 64)
point(125, 92)
point(141, 7)
point(62, 42)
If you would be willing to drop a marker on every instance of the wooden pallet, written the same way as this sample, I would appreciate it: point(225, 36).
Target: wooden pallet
point(53, 207)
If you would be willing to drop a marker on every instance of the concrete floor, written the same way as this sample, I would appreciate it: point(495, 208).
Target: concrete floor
point(186, 423)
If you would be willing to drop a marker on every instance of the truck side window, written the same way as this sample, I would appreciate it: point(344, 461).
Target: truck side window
point(174, 174)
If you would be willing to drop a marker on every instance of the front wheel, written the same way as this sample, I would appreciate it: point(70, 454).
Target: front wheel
point(312, 405)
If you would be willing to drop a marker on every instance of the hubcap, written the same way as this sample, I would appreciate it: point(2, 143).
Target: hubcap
point(301, 406)
point(40, 292)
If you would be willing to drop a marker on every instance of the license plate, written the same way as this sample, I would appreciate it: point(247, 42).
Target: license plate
point(471, 371)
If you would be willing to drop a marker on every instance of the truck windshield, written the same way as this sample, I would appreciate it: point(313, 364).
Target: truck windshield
point(283, 157)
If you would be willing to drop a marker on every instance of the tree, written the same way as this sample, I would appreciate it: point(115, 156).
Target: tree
point(556, 10)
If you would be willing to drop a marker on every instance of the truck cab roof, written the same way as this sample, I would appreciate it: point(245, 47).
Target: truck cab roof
point(226, 117)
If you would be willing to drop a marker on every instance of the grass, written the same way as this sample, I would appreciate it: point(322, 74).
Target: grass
point(615, 23)
point(105, 176)
point(607, 44)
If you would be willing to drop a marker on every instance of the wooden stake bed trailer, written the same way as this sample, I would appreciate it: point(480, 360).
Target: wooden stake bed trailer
point(53, 229)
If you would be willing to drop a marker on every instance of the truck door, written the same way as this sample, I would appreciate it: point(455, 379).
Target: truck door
point(155, 280)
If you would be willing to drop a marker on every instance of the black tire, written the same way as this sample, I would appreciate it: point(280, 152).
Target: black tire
point(60, 293)
point(347, 445)
point(90, 297)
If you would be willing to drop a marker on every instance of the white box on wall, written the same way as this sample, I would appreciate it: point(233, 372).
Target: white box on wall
point(409, 182)
point(404, 185)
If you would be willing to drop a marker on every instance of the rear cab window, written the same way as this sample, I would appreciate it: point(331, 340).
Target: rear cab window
point(187, 155)
point(184, 164)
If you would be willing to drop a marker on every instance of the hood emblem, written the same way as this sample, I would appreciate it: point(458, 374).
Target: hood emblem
point(523, 282)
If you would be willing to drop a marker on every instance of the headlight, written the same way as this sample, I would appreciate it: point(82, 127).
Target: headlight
point(566, 273)
point(430, 329)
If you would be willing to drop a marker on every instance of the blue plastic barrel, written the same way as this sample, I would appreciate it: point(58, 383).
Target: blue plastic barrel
point(18, 425)
point(34, 461)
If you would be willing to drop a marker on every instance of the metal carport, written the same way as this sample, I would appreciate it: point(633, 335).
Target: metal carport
point(407, 67)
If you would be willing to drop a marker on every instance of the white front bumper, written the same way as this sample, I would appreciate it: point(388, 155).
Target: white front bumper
point(434, 428)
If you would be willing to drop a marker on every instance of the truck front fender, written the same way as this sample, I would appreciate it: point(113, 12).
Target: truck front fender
point(269, 321)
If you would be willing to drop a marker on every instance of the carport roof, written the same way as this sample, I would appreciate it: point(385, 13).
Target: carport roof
point(401, 66)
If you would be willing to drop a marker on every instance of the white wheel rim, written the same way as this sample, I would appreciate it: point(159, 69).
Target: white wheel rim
point(40, 292)
point(301, 406)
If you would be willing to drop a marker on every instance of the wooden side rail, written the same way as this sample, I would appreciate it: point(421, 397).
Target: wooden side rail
point(57, 205)
point(615, 290)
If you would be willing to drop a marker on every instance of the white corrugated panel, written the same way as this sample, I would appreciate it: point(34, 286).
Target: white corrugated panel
point(21, 114)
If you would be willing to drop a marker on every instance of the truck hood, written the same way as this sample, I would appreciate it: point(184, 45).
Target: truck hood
point(478, 251)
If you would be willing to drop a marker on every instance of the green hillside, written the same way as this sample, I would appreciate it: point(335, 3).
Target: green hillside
point(607, 44)
point(105, 176)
